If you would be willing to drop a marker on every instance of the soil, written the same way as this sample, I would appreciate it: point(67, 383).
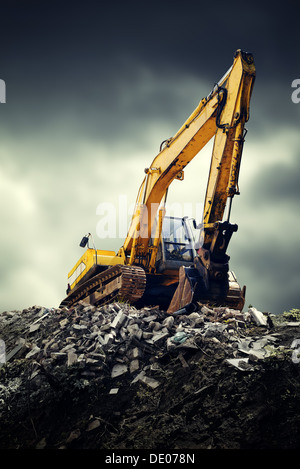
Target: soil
point(201, 402)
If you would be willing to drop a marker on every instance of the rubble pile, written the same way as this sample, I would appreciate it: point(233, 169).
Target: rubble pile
point(118, 335)
point(129, 358)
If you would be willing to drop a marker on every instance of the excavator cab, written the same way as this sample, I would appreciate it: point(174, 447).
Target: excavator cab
point(177, 244)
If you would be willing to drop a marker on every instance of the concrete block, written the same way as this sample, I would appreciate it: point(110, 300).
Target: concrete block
point(118, 370)
point(34, 351)
point(118, 320)
point(152, 383)
point(147, 335)
point(79, 327)
point(134, 353)
point(150, 318)
point(72, 358)
point(159, 338)
point(258, 317)
point(134, 331)
point(114, 391)
point(134, 366)
point(63, 322)
point(34, 327)
point(168, 322)
point(109, 338)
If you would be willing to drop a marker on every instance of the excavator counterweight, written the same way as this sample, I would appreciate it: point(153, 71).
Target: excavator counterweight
point(186, 263)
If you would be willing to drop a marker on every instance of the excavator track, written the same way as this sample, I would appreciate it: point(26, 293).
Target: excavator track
point(118, 282)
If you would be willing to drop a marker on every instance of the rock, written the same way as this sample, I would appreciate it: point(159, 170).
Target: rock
point(118, 320)
point(183, 361)
point(79, 327)
point(239, 363)
point(155, 325)
point(41, 444)
point(108, 338)
point(68, 347)
point(147, 335)
point(118, 370)
point(170, 344)
point(72, 358)
point(93, 425)
point(34, 351)
point(134, 365)
point(152, 383)
point(259, 318)
point(74, 435)
point(206, 310)
point(149, 319)
point(34, 327)
point(134, 331)
point(114, 391)
point(63, 322)
point(168, 322)
point(158, 338)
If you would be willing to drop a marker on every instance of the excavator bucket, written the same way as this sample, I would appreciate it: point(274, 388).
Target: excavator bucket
point(192, 289)
point(184, 293)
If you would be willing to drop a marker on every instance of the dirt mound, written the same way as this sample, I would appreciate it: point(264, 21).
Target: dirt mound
point(118, 377)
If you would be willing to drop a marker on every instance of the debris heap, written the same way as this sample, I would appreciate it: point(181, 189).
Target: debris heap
point(120, 352)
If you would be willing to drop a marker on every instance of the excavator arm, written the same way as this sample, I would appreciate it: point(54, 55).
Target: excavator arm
point(222, 115)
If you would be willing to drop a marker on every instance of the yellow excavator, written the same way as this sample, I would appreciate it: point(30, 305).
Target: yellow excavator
point(163, 260)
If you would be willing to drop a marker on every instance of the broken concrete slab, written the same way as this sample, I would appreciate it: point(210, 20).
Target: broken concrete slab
point(79, 327)
point(158, 338)
point(134, 353)
point(168, 322)
point(34, 351)
point(151, 318)
point(134, 365)
point(118, 320)
point(93, 425)
point(259, 318)
point(109, 338)
point(114, 391)
point(72, 358)
point(151, 382)
point(63, 322)
point(34, 328)
point(239, 363)
point(134, 331)
point(118, 370)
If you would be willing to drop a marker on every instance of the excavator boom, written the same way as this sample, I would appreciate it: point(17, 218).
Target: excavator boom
point(222, 115)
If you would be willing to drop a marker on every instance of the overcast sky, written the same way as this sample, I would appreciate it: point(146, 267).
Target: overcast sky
point(92, 90)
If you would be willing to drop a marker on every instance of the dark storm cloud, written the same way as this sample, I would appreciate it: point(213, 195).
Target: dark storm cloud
point(92, 90)
point(279, 184)
point(75, 55)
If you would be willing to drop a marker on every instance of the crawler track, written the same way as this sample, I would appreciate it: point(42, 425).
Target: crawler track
point(120, 281)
